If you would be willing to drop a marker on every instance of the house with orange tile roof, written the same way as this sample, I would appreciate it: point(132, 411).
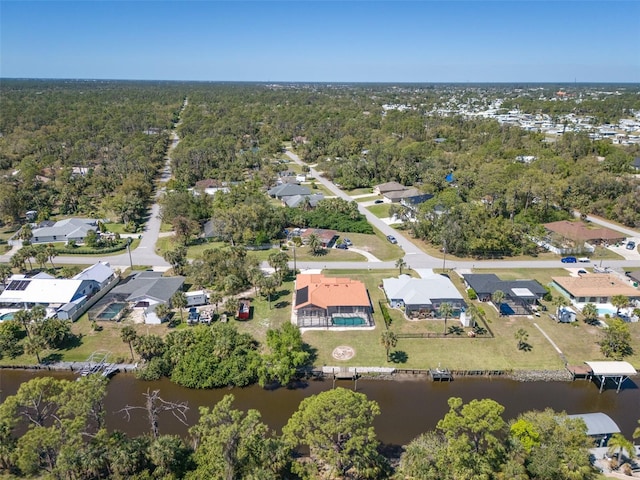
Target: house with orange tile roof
point(324, 302)
point(595, 288)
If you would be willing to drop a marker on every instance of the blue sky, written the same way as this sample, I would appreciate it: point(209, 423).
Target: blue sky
point(329, 41)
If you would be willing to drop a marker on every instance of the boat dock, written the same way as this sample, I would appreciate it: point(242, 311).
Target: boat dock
point(441, 374)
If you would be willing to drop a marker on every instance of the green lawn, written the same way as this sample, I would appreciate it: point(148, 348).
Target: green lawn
point(317, 187)
point(381, 210)
point(360, 191)
point(577, 341)
point(368, 199)
point(376, 244)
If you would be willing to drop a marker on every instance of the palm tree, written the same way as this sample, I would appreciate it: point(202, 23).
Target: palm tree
point(521, 336)
point(619, 301)
point(619, 444)
point(315, 244)
point(256, 276)
point(215, 298)
point(497, 298)
point(590, 312)
point(473, 313)
point(51, 252)
point(179, 301)
point(560, 301)
point(34, 345)
point(400, 264)
point(636, 432)
point(388, 340)
point(446, 309)
point(268, 288)
point(128, 335)
point(231, 305)
point(25, 233)
point(162, 311)
point(23, 317)
point(5, 272)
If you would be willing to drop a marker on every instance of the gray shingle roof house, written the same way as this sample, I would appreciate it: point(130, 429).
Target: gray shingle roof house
point(519, 294)
point(299, 200)
point(422, 296)
point(636, 163)
point(64, 230)
point(388, 187)
point(288, 190)
point(149, 287)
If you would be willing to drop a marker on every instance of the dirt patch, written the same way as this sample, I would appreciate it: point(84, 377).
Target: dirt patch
point(343, 352)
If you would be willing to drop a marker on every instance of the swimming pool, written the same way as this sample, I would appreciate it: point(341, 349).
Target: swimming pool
point(348, 321)
point(111, 311)
point(6, 316)
point(604, 310)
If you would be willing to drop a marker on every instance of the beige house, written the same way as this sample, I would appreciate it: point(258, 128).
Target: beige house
point(595, 288)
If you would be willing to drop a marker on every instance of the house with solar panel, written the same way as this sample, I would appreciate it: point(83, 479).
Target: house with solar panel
point(521, 296)
point(64, 298)
point(327, 302)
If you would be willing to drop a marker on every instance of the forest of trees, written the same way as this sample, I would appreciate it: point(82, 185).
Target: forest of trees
point(234, 133)
point(63, 435)
point(82, 148)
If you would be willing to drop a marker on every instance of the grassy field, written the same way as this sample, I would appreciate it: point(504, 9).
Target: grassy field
point(577, 341)
point(360, 191)
point(370, 198)
point(381, 210)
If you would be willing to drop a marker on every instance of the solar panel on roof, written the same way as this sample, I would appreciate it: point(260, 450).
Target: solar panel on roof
point(22, 284)
point(12, 285)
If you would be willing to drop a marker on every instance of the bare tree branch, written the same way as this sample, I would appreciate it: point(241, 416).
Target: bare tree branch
point(154, 406)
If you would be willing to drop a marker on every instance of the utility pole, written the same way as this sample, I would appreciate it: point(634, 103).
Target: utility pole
point(129, 250)
point(295, 267)
point(444, 254)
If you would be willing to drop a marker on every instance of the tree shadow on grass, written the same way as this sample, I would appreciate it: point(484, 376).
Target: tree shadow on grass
point(282, 304)
point(52, 358)
point(399, 356)
point(525, 347)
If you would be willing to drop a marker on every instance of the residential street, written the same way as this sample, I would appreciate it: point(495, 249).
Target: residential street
point(416, 258)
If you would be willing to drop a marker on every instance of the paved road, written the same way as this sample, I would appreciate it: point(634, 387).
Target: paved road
point(144, 254)
point(416, 258)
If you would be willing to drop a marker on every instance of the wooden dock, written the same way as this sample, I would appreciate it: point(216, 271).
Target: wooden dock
point(441, 375)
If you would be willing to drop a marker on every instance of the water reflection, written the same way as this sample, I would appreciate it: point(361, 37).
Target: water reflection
point(409, 407)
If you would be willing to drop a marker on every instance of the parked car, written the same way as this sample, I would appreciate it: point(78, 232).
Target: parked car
point(583, 260)
point(379, 201)
point(631, 246)
point(342, 246)
point(347, 242)
point(569, 260)
point(392, 239)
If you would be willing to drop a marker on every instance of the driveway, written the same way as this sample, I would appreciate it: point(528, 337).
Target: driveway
point(416, 258)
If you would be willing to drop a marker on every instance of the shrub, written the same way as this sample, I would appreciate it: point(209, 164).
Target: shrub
point(385, 313)
point(472, 294)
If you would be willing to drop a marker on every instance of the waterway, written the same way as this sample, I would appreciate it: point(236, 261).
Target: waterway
point(409, 407)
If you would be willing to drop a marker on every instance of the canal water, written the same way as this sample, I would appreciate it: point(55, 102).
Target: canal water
point(409, 407)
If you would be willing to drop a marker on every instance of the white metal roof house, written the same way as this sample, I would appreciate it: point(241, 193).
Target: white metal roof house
point(75, 229)
point(68, 298)
point(422, 296)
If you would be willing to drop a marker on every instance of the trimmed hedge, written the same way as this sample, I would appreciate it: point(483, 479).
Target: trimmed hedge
point(122, 245)
point(385, 313)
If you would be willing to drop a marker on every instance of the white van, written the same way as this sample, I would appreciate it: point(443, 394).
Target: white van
point(583, 260)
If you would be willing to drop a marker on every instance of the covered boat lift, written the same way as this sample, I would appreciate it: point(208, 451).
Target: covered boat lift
point(617, 371)
point(600, 426)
